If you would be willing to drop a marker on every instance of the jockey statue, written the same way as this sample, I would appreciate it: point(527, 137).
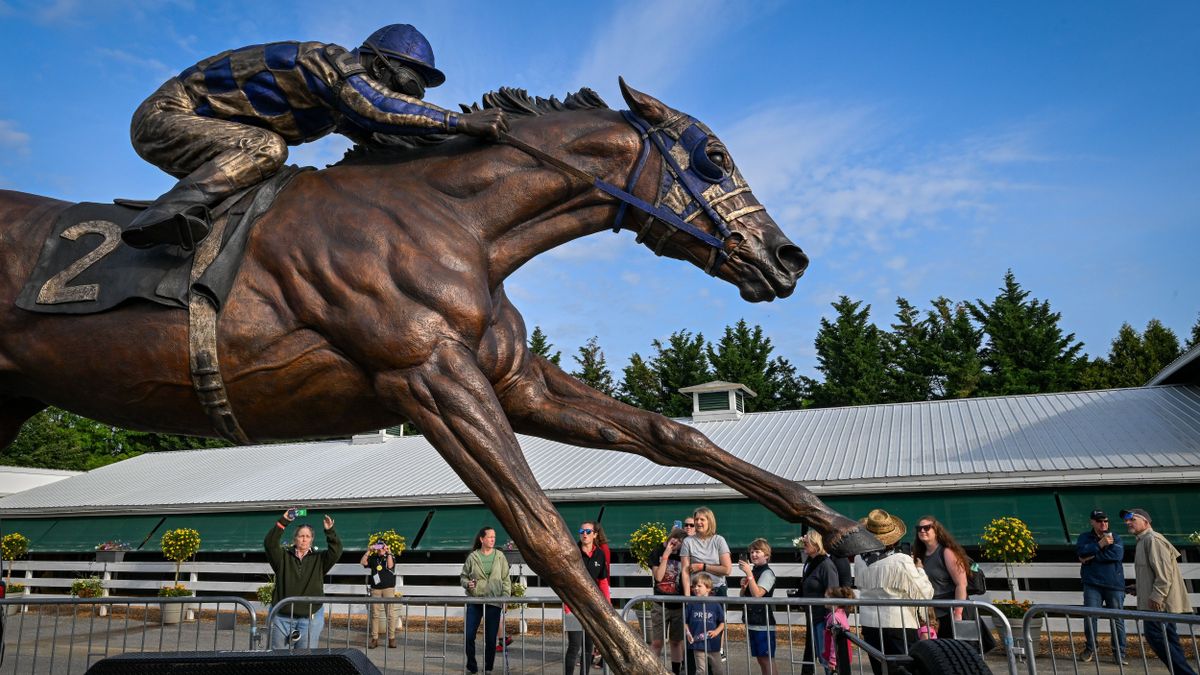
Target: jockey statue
point(225, 123)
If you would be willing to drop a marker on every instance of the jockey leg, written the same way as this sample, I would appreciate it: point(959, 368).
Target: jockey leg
point(214, 159)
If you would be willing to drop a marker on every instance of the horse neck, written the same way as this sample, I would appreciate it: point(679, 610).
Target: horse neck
point(559, 207)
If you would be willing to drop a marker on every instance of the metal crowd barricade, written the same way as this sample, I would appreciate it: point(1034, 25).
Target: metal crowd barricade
point(1141, 659)
point(68, 635)
point(430, 636)
point(790, 613)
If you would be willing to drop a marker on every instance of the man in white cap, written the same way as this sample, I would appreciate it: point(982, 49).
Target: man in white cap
point(1159, 589)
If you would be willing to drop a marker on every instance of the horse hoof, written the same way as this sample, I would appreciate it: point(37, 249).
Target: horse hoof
point(856, 541)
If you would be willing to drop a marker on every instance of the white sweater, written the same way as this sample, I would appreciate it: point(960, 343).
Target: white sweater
point(895, 577)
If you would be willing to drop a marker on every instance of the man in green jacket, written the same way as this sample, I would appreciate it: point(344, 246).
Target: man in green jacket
point(299, 571)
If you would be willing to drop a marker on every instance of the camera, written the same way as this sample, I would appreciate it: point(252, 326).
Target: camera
point(377, 546)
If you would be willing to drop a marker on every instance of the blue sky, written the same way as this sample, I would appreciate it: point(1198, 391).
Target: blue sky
point(912, 149)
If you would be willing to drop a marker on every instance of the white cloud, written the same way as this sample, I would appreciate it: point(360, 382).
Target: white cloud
point(14, 138)
point(153, 67)
point(648, 43)
point(831, 174)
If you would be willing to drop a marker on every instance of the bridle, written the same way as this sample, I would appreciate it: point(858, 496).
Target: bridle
point(697, 188)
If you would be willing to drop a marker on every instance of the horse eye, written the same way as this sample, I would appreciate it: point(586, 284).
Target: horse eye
point(719, 158)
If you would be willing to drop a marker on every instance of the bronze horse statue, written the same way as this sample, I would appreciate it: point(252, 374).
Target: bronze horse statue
point(372, 292)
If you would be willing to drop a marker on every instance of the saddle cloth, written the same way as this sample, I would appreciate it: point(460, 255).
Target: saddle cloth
point(77, 273)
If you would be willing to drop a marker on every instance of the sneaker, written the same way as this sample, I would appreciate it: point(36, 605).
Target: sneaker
point(1122, 659)
point(373, 643)
point(1087, 656)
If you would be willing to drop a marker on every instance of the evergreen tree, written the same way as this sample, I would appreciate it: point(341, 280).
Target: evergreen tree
point(1026, 352)
point(539, 344)
point(593, 368)
point(850, 354)
point(909, 356)
point(640, 386)
point(1133, 359)
point(743, 355)
point(1195, 339)
point(954, 350)
point(679, 363)
point(1162, 347)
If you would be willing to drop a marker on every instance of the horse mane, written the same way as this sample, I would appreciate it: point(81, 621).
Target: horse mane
point(514, 102)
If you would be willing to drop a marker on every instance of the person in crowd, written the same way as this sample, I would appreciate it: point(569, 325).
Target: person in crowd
point(1159, 588)
point(836, 616)
point(759, 582)
point(705, 551)
point(818, 577)
point(579, 644)
point(947, 565)
point(485, 574)
point(666, 621)
point(299, 571)
point(704, 625)
point(1103, 575)
point(381, 580)
point(887, 575)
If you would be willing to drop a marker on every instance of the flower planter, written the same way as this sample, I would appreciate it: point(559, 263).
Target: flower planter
point(172, 613)
point(110, 556)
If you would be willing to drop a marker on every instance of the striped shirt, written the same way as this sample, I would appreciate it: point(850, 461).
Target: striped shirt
point(303, 91)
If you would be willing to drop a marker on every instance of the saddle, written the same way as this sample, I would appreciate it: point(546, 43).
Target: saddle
point(81, 274)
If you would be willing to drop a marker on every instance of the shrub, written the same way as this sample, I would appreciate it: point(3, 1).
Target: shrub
point(13, 546)
point(176, 591)
point(265, 592)
point(87, 587)
point(1008, 540)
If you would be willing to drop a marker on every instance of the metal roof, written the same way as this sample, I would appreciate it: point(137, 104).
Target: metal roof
point(1138, 435)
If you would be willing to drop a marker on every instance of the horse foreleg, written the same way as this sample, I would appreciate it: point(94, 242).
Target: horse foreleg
point(545, 401)
point(454, 405)
point(13, 413)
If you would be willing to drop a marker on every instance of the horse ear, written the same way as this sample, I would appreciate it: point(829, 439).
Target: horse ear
point(646, 106)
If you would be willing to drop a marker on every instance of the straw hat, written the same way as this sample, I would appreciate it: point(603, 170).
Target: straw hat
point(888, 529)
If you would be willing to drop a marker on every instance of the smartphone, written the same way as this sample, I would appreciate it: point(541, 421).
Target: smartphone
point(377, 547)
point(679, 525)
point(296, 513)
point(744, 557)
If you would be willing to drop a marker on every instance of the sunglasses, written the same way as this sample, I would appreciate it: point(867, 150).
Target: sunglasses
point(924, 528)
point(586, 530)
point(689, 524)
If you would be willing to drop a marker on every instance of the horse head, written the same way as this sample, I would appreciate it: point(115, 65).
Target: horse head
point(701, 193)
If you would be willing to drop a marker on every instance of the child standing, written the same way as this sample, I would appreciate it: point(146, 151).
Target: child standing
point(836, 617)
point(759, 582)
point(704, 623)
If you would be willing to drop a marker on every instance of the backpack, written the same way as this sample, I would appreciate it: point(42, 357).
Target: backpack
point(976, 580)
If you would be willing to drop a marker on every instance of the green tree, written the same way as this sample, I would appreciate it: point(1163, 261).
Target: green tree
point(1026, 351)
point(1195, 338)
point(954, 349)
point(743, 355)
point(909, 356)
point(640, 386)
point(57, 439)
point(593, 368)
point(539, 344)
point(681, 362)
point(1133, 358)
point(1162, 347)
point(850, 354)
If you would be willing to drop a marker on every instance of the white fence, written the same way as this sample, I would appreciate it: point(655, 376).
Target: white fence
point(54, 577)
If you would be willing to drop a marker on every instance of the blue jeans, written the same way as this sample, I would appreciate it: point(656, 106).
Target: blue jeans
point(1109, 599)
point(1164, 640)
point(491, 627)
point(310, 630)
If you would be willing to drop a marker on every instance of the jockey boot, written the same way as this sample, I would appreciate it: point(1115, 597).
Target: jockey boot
point(180, 218)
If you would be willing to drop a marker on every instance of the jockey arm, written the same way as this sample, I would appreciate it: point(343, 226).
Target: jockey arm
point(367, 105)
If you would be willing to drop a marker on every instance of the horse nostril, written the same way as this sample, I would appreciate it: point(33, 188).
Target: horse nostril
point(792, 259)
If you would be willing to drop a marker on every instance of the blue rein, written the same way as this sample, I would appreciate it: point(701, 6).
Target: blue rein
point(673, 220)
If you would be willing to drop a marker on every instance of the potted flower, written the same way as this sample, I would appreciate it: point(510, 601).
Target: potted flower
point(178, 545)
point(12, 546)
point(1010, 541)
point(172, 612)
point(644, 540)
point(87, 587)
point(112, 550)
point(13, 590)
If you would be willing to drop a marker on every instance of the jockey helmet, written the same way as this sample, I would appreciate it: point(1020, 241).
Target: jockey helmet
point(402, 42)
